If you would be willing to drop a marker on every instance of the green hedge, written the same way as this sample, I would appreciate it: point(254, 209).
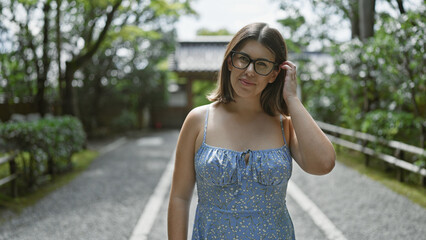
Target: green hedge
point(46, 145)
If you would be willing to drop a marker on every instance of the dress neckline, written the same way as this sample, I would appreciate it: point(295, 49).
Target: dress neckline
point(204, 144)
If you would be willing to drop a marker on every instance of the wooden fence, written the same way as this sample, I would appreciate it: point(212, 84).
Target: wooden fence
point(12, 173)
point(334, 133)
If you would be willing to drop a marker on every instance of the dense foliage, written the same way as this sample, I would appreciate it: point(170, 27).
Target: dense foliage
point(374, 83)
point(50, 143)
point(95, 60)
point(379, 85)
point(370, 83)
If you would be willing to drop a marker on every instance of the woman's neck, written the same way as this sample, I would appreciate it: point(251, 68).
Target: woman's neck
point(246, 106)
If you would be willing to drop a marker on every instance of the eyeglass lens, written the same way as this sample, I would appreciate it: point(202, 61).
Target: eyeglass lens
point(242, 61)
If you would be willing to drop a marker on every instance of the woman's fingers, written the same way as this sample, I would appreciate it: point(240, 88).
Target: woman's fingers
point(288, 65)
point(290, 86)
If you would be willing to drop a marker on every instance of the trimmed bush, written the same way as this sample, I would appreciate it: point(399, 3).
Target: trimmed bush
point(50, 143)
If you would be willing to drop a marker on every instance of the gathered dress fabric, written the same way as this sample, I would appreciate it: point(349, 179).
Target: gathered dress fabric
point(241, 195)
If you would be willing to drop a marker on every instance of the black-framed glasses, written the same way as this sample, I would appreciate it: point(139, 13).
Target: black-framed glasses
point(261, 66)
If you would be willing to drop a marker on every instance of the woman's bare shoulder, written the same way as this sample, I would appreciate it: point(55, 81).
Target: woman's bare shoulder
point(197, 115)
point(194, 121)
point(191, 134)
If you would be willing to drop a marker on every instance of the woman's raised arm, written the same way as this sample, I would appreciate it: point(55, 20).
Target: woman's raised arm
point(310, 147)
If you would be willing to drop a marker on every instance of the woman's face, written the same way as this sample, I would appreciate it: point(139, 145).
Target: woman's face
point(247, 82)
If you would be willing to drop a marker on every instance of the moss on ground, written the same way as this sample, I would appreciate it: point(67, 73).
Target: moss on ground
point(80, 161)
point(387, 175)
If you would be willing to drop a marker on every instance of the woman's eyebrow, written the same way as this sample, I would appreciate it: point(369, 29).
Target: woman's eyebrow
point(256, 58)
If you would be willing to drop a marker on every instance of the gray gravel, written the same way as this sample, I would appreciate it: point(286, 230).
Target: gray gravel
point(362, 208)
point(106, 201)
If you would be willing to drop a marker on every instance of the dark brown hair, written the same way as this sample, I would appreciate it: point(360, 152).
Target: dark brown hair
point(271, 99)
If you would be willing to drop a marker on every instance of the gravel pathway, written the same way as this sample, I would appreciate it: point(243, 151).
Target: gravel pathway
point(104, 202)
point(362, 208)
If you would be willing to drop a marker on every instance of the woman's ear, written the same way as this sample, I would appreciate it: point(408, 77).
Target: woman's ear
point(228, 61)
point(274, 75)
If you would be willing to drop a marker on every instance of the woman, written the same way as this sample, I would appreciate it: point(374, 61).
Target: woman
point(239, 149)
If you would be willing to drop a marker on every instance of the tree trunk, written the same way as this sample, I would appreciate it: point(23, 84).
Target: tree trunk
point(93, 125)
point(39, 98)
point(41, 79)
point(58, 51)
point(366, 18)
point(68, 102)
point(413, 98)
point(354, 17)
point(401, 6)
point(366, 105)
point(8, 92)
point(67, 94)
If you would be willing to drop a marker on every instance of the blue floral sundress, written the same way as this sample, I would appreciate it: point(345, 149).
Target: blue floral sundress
point(239, 200)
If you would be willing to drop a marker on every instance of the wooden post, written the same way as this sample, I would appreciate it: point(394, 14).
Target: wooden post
point(337, 146)
point(400, 174)
point(367, 160)
point(366, 156)
point(189, 102)
point(13, 185)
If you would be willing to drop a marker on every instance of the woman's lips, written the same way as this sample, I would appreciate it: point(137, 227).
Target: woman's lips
point(246, 83)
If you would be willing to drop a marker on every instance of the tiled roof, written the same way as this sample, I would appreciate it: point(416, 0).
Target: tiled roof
point(203, 54)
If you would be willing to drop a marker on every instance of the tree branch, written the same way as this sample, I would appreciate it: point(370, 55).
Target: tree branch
point(92, 50)
point(401, 6)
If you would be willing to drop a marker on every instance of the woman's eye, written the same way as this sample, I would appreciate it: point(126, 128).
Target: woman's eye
point(261, 64)
point(244, 59)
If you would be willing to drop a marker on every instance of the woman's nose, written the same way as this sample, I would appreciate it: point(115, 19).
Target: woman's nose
point(250, 68)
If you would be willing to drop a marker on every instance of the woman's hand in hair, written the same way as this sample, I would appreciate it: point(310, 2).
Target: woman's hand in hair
point(290, 80)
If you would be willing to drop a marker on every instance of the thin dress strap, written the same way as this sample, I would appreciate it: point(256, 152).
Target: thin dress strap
point(205, 124)
point(282, 129)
